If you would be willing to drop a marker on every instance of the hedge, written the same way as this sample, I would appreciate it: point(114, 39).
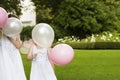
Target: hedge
point(93, 45)
point(107, 45)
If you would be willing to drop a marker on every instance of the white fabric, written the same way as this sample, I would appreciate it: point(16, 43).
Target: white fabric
point(11, 67)
point(41, 68)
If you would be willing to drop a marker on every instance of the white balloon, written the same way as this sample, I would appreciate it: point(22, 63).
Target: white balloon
point(13, 27)
point(43, 35)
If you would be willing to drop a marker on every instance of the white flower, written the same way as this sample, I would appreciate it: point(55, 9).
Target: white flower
point(78, 40)
point(117, 38)
point(86, 40)
point(73, 37)
point(60, 40)
point(63, 41)
point(92, 38)
point(103, 37)
point(110, 35)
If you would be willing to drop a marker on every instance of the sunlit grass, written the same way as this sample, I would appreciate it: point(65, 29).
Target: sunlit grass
point(87, 65)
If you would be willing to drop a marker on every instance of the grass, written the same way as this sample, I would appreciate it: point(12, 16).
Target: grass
point(88, 65)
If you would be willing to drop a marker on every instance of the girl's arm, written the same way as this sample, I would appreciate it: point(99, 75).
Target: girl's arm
point(17, 42)
point(30, 55)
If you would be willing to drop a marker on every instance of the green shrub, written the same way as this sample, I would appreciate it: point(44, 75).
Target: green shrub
point(105, 40)
point(93, 45)
point(107, 45)
point(26, 33)
point(79, 45)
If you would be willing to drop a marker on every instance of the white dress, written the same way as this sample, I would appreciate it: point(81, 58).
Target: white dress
point(11, 67)
point(41, 68)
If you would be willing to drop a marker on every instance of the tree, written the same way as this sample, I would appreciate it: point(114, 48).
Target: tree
point(85, 17)
point(53, 4)
point(46, 9)
point(12, 6)
point(114, 6)
point(79, 17)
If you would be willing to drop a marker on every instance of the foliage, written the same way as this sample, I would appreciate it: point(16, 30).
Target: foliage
point(12, 6)
point(114, 5)
point(53, 4)
point(59, 32)
point(79, 17)
point(26, 33)
point(105, 40)
point(85, 17)
point(103, 37)
point(46, 9)
point(68, 39)
point(107, 45)
point(43, 14)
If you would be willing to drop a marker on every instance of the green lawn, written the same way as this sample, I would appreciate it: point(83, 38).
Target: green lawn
point(88, 65)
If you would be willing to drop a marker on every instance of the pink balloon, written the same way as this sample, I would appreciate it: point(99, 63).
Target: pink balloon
point(3, 17)
point(61, 54)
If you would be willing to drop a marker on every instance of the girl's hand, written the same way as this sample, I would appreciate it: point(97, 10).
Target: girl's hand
point(31, 42)
point(34, 55)
point(17, 42)
point(30, 55)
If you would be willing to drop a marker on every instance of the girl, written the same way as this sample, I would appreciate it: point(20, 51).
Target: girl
point(11, 66)
point(41, 68)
